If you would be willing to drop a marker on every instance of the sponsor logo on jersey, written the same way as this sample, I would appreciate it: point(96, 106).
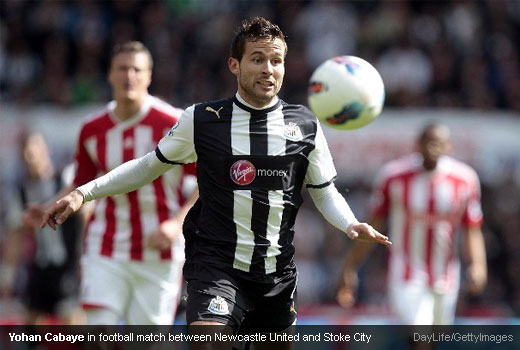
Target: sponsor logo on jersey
point(293, 132)
point(242, 172)
point(218, 306)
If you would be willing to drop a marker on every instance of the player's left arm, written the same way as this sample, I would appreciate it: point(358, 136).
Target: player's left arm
point(319, 179)
point(336, 210)
point(474, 248)
point(475, 252)
point(170, 230)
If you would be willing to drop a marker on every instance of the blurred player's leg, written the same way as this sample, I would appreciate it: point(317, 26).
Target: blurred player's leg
point(412, 303)
point(104, 286)
point(102, 316)
point(444, 310)
point(156, 289)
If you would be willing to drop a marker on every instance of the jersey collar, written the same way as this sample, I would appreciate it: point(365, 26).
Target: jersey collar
point(145, 108)
point(239, 101)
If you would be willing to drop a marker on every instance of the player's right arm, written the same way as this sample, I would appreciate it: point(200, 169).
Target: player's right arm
point(355, 257)
point(175, 148)
point(378, 208)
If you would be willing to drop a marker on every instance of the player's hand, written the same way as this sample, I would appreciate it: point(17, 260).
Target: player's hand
point(167, 234)
point(365, 233)
point(32, 216)
point(346, 295)
point(476, 278)
point(64, 207)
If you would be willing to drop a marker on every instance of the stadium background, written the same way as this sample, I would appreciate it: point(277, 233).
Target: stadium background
point(453, 61)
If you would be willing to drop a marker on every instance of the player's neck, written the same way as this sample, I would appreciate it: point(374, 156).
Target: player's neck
point(126, 109)
point(429, 165)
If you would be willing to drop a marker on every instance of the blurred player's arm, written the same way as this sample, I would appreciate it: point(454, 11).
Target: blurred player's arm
point(125, 178)
point(12, 243)
point(170, 230)
point(475, 252)
point(356, 256)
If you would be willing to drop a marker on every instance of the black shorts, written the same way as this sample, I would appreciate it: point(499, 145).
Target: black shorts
point(227, 296)
point(48, 287)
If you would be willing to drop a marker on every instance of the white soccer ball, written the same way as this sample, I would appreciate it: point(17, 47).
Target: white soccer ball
point(346, 92)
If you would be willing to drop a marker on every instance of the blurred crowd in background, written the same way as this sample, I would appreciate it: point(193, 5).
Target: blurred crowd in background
point(435, 54)
point(458, 53)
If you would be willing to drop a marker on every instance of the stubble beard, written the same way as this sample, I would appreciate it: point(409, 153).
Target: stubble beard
point(252, 95)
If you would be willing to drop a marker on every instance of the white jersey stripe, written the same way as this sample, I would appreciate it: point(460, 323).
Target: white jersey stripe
point(146, 194)
point(93, 241)
point(243, 202)
point(276, 145)
point(274, 222)
point(242, 209)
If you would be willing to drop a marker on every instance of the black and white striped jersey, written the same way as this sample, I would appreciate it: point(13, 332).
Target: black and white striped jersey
point(251, 166)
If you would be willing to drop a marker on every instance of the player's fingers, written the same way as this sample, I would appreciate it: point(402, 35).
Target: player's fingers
point(51, 217)
point(345, 297)
point(379, 237)
point(64, 215)
point(353, 234)
point(46, 220)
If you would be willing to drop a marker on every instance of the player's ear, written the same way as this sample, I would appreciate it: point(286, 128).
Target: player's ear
point(447, 147)
point(234, 65)
point(149, 79)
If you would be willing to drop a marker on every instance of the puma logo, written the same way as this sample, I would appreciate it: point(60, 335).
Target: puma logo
point(217, 112)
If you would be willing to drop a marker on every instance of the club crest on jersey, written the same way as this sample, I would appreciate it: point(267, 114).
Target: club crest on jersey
point(293, 132)
point(242, 172)
point(170, 133)
point(218, 306)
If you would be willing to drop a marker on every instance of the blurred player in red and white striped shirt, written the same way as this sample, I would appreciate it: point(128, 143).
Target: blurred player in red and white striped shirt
point(133, 247)
point(429, 202)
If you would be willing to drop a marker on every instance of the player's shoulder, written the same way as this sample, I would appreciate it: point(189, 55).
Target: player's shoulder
point(164, 108)
point(459, 169)
point(98, 119)
point(401, 166)
point(221, 109)
point(300, 110)
point(215, 105)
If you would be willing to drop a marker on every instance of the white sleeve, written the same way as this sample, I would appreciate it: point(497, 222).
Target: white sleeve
point(333, 206)
point(125, 178)
point(321, 171)
point(177, 146)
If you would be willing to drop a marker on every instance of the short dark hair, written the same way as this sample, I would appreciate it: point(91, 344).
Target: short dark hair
point(429, 128)
point(253, 29)
point(132, 46)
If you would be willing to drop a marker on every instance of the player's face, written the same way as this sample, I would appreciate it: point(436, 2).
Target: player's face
point(130, 75)
point(433, 145)
point(261, 70)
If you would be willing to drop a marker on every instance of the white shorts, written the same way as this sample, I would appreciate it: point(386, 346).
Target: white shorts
point(418, 304)
point(145, 293)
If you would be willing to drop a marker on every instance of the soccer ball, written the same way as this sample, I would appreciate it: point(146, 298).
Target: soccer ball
point(346, 92)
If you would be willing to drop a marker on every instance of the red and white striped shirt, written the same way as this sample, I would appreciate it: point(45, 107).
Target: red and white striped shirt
point(121, 224)
point(425, 210)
